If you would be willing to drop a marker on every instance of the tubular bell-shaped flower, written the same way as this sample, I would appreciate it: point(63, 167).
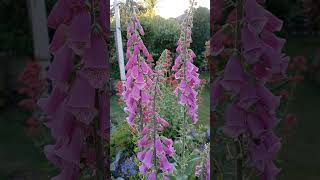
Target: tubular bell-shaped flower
point(160, 147)
point(252, 111)
point(185, 71)
point(79, 74)
point(138, 73)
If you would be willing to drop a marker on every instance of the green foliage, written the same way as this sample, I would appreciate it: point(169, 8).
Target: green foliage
point(120, 139)
point(15, 36)
point(200, 33)
point(160, 34)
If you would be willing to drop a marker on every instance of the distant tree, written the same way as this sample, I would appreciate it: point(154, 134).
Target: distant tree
point(150, 6)
point(200, 32)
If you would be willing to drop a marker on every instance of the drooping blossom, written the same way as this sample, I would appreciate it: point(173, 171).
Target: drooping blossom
point(185, 71)
point(79, 74)
point(253, 107)
point(138, 73)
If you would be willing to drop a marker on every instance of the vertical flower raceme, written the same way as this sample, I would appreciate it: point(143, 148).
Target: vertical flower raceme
point(75, 109)
point(138, 73)
point(140, 95)
point(258, 60)
point(185, 71)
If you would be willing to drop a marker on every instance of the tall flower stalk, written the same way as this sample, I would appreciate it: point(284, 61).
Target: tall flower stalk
point(76, 108)
point(140, 95)
point(256, 62)
point(187, 75)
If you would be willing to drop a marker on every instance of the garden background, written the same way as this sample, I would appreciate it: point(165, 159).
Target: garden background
point(21, 154)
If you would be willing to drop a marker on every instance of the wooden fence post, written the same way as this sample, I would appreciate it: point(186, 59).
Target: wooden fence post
point(118, 41)
point(38, 17)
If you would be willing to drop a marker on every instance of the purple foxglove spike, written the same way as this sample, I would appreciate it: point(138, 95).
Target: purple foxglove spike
point(267, 117)
point(59, 39)
point(135, 94)
point(177, 64)
point(51, 104)
point(146, 68)
point(183, 100)
point(234, 76)
point(81, 101)
point(248, 95)
point(194, 117)
point(163, 122)
point(60, 14)
point(169, 150)
point(268, 99)
point(70, 150)
point(179, 74)
point(255, 125)
point(271, 58)
point(145, 131)
point(128, 54)
point(262, 72)
point(145, 98)
point(178, 49)
point(217, 42)
point(61, 123)
point(271, 142)
point(152, 176)
point(95, 76)
point(135, 72)
point(140, 82)
point(191, 54)
point(62, 65)
point(159, 147)
point(96, 55)
point(251, 45)
point(143, 142)
point(281, 68)
point(130, 119)
point(235, 121)
point(273, 23)
point(270, 171)
point(147, 160)
point(168, 142)
point(272, 40)
point(75, 4)
point(141, 155)
point(80, 32)
point(165, 178)
point(143, 169)
point(136, 50)
point(165, 165)
point(255, 15)
point(49, 151)
point(132, 62)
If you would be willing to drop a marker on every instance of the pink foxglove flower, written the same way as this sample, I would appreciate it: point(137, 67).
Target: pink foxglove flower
point(135, 94)
point(78, 72)
point(186, 72)
point(253, 108)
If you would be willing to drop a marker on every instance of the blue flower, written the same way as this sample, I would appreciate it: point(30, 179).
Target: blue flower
point(128, 167)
